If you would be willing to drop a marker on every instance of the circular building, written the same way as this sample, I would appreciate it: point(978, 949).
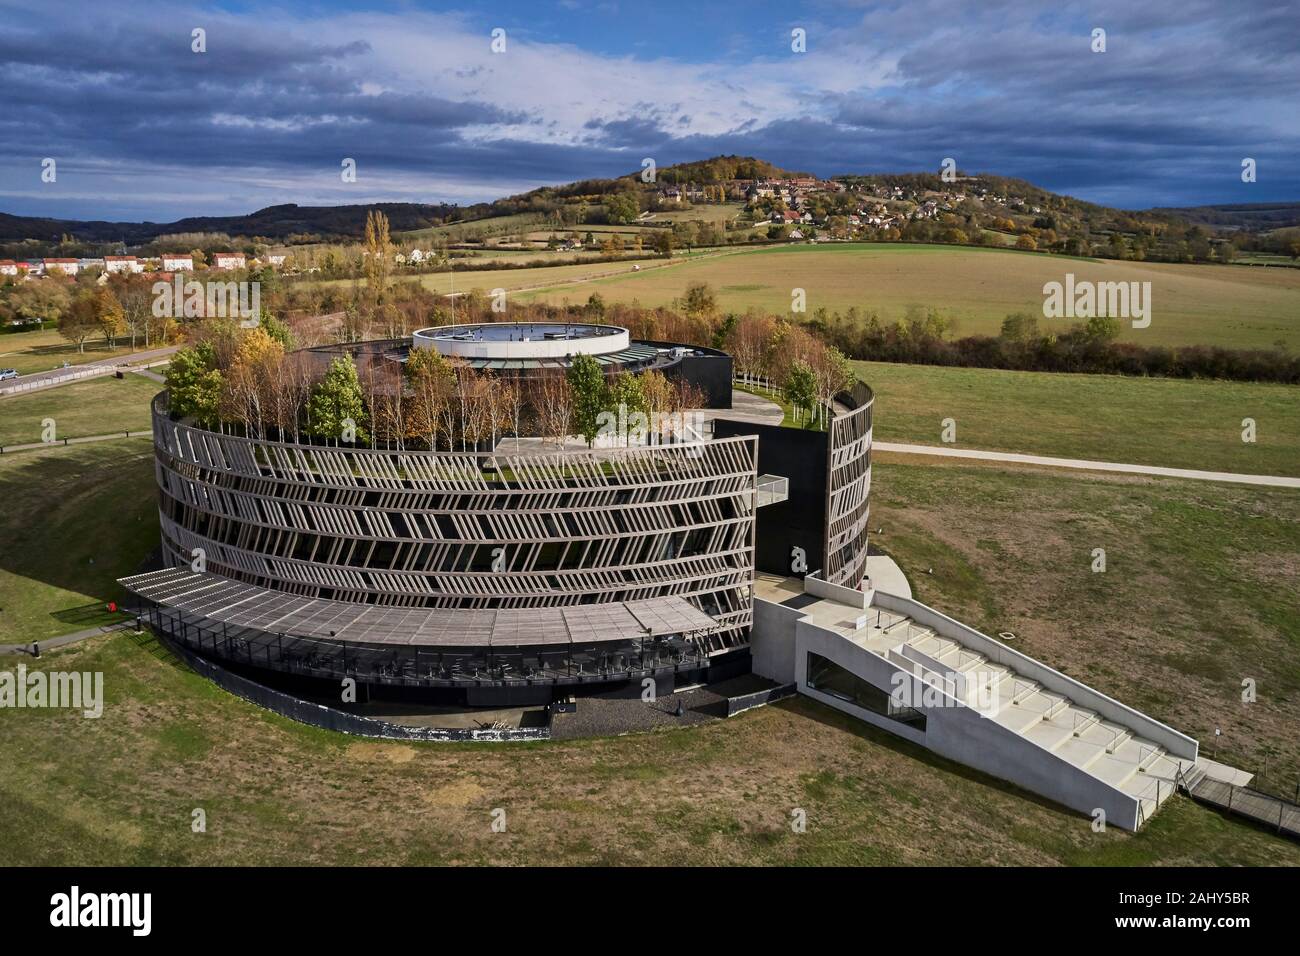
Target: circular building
point(529, 341)
point(496, 575)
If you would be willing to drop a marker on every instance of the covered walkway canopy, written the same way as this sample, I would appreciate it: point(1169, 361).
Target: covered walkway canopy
point(237, 605)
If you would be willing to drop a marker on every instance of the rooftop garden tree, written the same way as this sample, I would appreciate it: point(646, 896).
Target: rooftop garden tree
point(336, 409)
point(801, 386)
point(195, 384)
point(587, 383)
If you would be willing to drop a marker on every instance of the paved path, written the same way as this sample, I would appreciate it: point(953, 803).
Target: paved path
point(1276, 481)
point(50, 643)
point(887, 576)
point(36, 445)
point(60, 376)
point(144, 371)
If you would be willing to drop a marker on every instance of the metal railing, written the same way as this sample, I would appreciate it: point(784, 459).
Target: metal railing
point(429, 666)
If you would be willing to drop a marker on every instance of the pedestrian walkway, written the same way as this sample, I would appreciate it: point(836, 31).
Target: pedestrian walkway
point(72, 373)
point(34, 446)
point(1276, 481)
point(1277, 814)
point(63, 640)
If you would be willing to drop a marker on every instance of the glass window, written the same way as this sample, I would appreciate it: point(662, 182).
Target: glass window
point(833, 680)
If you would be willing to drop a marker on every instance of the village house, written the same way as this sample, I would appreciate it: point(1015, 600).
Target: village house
point(177, 263)
point(68, 267)
point(128, 264)
point(8, 267)
point(228, 260)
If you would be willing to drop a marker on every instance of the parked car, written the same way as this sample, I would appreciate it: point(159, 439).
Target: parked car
point(8, 373)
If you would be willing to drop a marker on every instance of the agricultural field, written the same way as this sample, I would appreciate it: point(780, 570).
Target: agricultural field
point(1009, 550)
point(460, 231)
point(93, 406)
point(1174, 423)
point(703, 212)
point(571, 282)
point(44, 350)
point(1230, 306)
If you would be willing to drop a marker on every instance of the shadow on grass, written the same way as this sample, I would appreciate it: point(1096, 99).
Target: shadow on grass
point(148, 642)
point(89, 615)
point(830, 717)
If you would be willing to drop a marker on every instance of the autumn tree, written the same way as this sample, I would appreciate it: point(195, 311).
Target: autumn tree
point(749, 343)
point(624, 397)
point(80, 321)
point(377, 257)
point(136, 297)
point(699, 302)
point(659, 397)
point(552, 401)
point(250, 394)
point(432, 384)
point(109, 315)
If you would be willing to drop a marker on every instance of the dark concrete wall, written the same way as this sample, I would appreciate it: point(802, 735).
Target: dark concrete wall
point(707, 369)
point(800, 520)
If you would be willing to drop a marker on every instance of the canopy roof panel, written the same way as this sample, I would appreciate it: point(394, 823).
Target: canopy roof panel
point(235, 604)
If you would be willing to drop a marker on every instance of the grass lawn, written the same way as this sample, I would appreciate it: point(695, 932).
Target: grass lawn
point(94, 406)
point(121, 790)
point(1198, 593)
point(1232, 306)
point(1148, 421)
point(74, 520)
point(41, 351)
point(776, 398)
point(1195, 596)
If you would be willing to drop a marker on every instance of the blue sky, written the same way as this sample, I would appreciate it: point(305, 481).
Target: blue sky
point(141, 127)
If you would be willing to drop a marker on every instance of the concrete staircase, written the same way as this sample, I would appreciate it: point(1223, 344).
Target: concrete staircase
point(1084, 748)
point(1105, 749)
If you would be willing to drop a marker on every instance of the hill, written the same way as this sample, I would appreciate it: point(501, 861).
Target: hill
point(1251, 217)
point(282, 222)
point(761, 199)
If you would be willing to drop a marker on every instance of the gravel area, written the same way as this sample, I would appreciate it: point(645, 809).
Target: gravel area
point(610, 716)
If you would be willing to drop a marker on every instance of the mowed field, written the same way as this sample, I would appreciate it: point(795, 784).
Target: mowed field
point(74, 520)
point(1231, 306)
point(94, 406)
point(1174, 423)
point(1009, 550)
point(44, 350)
point(1197, 595)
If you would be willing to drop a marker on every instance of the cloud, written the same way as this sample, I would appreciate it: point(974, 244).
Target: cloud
point(142, 126)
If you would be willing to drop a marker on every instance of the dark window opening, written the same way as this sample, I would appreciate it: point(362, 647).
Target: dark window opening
point(833, 680)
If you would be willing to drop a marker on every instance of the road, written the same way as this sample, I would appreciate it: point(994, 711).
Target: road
point(60, 376)
point(1276, 481)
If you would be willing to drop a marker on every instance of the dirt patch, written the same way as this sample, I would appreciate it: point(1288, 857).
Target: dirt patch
point(381, 753)
point(461, 793)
